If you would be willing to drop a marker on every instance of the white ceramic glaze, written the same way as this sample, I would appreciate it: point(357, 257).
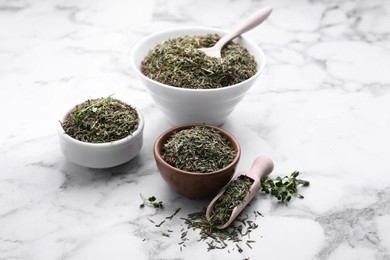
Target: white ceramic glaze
point(101, 155)
point(181, 105)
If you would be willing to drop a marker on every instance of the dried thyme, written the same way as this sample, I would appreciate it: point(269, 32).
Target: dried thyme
point(233, 195)
point(237, 233)
point(178, 62)
point(101, 120)
point(199, 149)
point(218, 238)
point(174, 214)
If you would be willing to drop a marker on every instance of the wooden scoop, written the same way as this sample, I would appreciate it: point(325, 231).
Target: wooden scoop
point(261, 167)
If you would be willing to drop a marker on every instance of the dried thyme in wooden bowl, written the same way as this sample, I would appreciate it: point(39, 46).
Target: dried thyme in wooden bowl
point(198, 149)
point(196, 160)
point(178, 62)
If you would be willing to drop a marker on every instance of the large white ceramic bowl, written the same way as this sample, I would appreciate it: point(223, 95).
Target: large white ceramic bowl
point(101, 155)
point(181, 105)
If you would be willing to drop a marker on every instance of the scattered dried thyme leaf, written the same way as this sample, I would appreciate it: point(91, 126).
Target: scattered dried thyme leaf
point(219, 238)
point(198, 149)
point(101, 120)
point(238, 232)
point(178, 62)
point(174, 214)
point(159, 225)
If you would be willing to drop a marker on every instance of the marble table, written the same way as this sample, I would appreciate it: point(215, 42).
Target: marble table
point(322, 106)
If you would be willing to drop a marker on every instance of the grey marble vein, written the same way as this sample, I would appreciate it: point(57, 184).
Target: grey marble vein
point(321, 106)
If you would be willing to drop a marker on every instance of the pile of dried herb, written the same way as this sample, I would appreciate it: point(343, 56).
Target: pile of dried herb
point(101, 120)
point(198, 149)
point(233, 195)
point(178, 62)
point(239, 232)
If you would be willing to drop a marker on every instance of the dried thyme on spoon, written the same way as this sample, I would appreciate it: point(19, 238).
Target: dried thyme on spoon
point(178, 62)
point(101, 120)
point(198, 149)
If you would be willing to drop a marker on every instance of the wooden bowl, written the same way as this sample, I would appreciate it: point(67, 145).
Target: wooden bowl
point(192, 184)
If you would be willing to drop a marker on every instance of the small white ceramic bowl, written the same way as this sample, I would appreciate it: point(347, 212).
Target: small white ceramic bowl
point(181, 105)
point(101, 155)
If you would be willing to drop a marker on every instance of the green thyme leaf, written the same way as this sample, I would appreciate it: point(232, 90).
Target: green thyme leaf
point(151, 201)
point(284, 188)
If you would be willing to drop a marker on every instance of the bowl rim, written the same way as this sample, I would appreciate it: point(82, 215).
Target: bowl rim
point(165, 135)
point(119, 142)
point(141, 42)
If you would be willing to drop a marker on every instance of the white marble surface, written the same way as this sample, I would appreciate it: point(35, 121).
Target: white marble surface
point(322, 107)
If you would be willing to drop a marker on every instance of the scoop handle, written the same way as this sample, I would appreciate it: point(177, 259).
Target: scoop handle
point(254, 20)
point(262, 166)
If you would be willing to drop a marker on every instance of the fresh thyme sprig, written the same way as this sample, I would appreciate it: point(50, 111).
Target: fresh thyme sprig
point(283, 188)
point(152, 201)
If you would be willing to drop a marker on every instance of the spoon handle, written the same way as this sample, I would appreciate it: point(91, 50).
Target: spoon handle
point(253, 21)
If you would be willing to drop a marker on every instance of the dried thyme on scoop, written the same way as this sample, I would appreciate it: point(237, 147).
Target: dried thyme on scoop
point(178, 62)
point(198, 149)
point(101, 120)
point(234, 194)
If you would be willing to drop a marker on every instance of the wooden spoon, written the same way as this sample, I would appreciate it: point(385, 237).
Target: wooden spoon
point(249, 24)
point(261, 167)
